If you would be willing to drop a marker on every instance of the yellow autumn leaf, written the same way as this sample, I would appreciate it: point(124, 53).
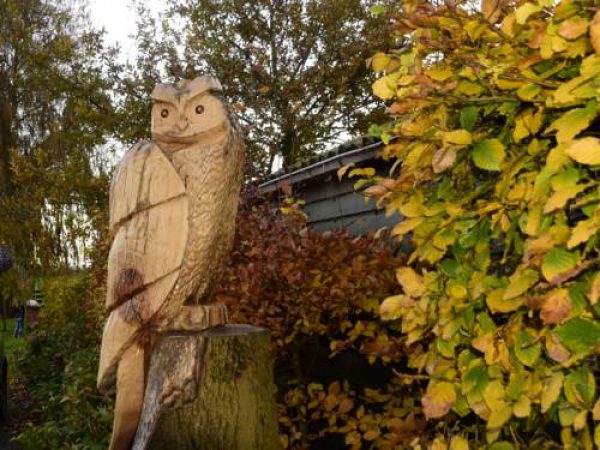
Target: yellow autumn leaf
point(585, 151)
point(573, 122)
point(495, 395)
point(469, 88)
point(582, 232)
point(522, 407)
point(520, 131)
point(525, 10)
point(371, 435)
point(534, 218)
point(412, 283)
point(382, 87)
point(593, 293)
point(439, 73)
point(596, 410)
point(391, 307)
point(438, 400)
point(457, 137)
point(507, 85)
point(407, 225)
point(595, 33)
point(578, 48)
point(499, 417)
point(559, 44)
point(498, 304)
point(439, 443)
point(528, 91)
point(459, 443)
point(520, 282)
point(380, 61)
point(551, 390)
point(560, 198)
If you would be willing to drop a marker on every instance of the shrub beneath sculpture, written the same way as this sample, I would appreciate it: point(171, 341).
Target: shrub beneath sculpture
point(319, 296)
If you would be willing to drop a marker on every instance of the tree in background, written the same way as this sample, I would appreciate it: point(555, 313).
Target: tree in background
point(295, 69)
point(55, 114)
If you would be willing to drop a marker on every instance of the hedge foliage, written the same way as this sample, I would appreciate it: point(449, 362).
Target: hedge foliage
point(59, 368)
point(495, 124)
point(319, 295)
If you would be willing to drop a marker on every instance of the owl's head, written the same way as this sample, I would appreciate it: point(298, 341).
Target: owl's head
point(186, 111)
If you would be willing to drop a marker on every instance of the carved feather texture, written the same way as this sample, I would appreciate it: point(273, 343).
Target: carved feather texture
point(172, 214)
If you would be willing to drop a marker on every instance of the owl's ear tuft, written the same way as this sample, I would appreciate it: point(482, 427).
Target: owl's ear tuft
point(204, 83)
point(164, 92)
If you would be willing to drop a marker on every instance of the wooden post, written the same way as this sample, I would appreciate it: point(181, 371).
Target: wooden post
point(233, 405)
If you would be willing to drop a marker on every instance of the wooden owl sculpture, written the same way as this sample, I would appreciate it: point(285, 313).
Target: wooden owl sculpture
point(173, 203)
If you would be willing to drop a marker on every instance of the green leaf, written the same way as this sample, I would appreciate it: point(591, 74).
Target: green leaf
point(581, 336)
point(503, 445)
point(525, 350)
point(528, 91)
point(520, 282)
point(468, 117)
point(585, 151)
point(474, 382)
point(557, 262)
point(488, 154)
point(580, 387)
point(377, 10)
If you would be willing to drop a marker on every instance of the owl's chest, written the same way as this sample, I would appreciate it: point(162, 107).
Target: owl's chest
point(207, 178)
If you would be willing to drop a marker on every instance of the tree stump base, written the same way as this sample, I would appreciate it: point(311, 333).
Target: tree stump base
point(215, 390)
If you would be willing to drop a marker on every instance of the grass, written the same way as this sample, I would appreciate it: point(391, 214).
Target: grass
point(12, 346)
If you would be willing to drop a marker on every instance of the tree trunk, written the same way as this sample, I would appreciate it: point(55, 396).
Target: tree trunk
point(234, 406)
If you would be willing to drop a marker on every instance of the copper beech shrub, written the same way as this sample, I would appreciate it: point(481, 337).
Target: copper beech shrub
point(319, 294)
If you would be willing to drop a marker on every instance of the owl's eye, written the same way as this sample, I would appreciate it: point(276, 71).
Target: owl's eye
point(199, 109)
point(164, 113)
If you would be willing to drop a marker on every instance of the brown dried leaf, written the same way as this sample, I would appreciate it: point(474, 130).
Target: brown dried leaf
point(346, 405)
point(557, 306)
point(573, 28)
point(443, 159)
point(491, 10)
point(438, 400)
point(556, 351)
point(595, 33)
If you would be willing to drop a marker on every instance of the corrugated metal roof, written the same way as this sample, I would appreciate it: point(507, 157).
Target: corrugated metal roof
point(354, 151)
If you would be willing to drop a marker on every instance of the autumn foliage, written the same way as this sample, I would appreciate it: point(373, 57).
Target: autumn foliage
point(495, 122)
point(319, 295)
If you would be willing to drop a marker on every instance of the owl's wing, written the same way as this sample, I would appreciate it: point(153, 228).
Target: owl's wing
point(149, 220)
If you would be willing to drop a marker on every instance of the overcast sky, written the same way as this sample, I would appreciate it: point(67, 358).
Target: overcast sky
point(118, 19)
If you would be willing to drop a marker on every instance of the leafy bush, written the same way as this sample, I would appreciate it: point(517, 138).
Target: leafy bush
point(495, 122)
point(319, 295)
point(59, 370)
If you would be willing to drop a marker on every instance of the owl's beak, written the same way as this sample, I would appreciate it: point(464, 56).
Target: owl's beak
point(182, 123)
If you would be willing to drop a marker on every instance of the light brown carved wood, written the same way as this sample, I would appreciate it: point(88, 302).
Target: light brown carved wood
point(232, 407)
point(173, 204)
